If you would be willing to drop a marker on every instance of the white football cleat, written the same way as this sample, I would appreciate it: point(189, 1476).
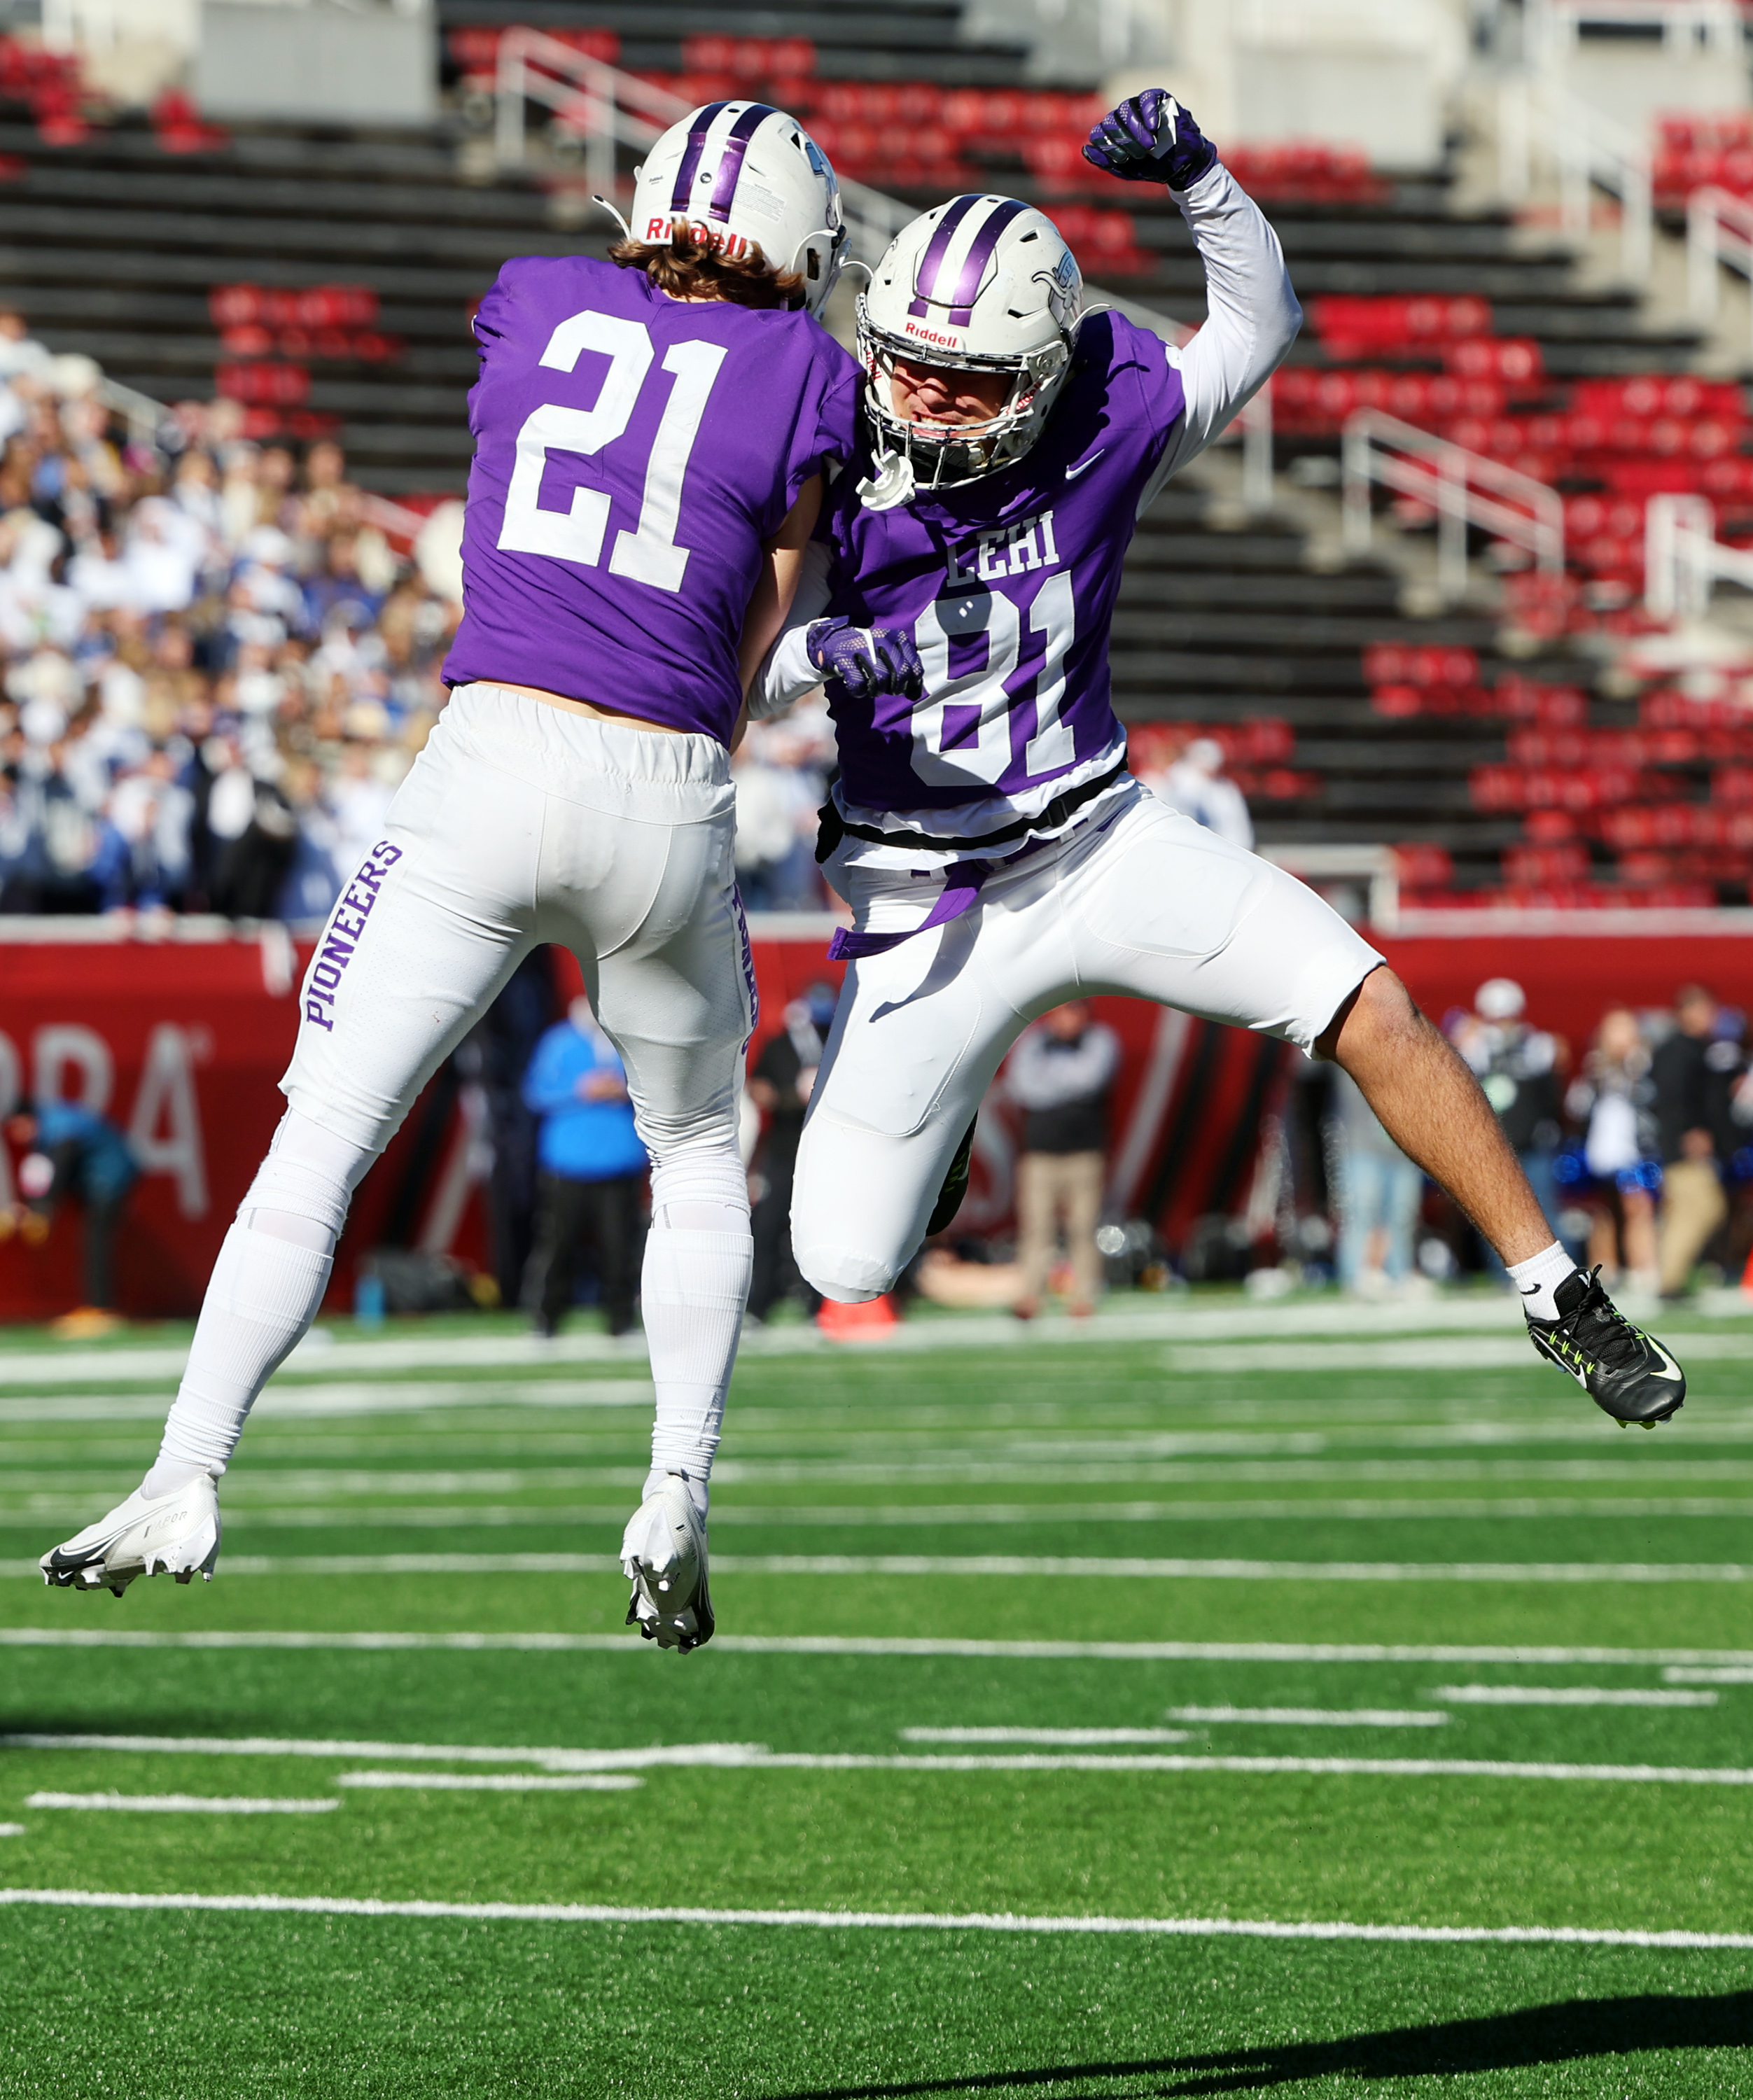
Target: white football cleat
point(175, 1534)
point(664, 1553)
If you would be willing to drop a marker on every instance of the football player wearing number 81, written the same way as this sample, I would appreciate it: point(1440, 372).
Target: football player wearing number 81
point(652, 436)
point(999, 857)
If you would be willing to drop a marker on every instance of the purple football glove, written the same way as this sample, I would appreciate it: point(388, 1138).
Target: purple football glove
point(1151, 139)
point(866, 660)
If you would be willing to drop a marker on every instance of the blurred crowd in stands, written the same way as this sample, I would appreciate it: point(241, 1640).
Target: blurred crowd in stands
point(217, 669)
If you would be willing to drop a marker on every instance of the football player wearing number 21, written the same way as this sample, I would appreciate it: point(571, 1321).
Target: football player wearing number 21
point(999, 857)
point(652, 434)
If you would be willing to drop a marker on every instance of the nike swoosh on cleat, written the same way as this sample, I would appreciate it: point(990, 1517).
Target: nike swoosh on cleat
point(1673, 1371)
point(1071, 473)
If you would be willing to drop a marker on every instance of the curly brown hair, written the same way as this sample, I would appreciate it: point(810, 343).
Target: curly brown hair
point(688, 265)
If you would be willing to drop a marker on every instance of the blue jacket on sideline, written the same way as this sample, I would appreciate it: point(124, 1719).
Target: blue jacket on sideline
point(105, 1167)
point(583, 1140)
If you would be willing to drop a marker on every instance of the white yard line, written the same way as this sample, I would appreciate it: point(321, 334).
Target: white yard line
point(1494, 1322)
point(1088, 1738)
point(1470, 1768)
point(1727, 1666)
point(756, 1755)
point(1683, 1673)
point(494, 1782)
point(1564, 1695)
point(1483, 1353)
point(288, 1402)
point(322, 1354)
point(179, 1804)
point(12, 1830)
point(253, 1507)
point(841, 1920)
point(1008, 1566)
point(1314, 1717)
point(553, 1758)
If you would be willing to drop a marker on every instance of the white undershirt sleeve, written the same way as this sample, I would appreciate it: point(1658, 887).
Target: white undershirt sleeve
point(1252, 317)
point(786, 674)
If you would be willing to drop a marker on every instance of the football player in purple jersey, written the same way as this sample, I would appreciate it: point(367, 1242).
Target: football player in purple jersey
point(999, 857)
point(652, 436)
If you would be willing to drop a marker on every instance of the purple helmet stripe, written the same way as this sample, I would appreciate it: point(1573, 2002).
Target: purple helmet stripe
point(731, 160)
point(690, 160)
point(975, 262)
point(931, 265)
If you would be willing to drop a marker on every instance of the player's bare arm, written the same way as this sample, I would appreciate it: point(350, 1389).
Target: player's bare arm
point(775, 590)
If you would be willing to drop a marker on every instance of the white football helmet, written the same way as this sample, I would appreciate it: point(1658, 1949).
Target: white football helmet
point(981, 282)
point(741, 173)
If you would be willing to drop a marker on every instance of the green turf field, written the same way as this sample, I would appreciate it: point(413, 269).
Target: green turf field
point(1293, 1698)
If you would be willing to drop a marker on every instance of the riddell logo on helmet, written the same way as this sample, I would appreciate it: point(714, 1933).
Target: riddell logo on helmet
point(932, 335)
point(714, 237)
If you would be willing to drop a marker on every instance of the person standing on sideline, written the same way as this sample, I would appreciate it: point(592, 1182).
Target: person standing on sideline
point(781, 1086)
point(652, 437)
point(1516, 1066)
point(1060, 1076)
point(1195, 785)
point(1694, 1072)
point(1377, 1188)
point(1613, 1098)
point(591, 1166)
point(71, 1152)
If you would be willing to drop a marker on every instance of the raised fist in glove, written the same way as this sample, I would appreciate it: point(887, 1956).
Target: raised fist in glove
point(866, 660)
point(1151, 139)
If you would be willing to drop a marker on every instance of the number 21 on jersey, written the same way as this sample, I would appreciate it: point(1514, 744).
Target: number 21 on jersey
point(646, 553)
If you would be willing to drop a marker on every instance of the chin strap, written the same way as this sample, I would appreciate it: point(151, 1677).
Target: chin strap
point(626, 231)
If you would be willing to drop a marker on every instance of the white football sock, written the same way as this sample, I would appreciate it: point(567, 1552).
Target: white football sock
point(1539, 1276)
point(698, 1259)
point(265, 1290)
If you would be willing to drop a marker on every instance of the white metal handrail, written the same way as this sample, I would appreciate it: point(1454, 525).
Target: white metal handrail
point(1538, 117)
point(142, 412)
point(1684, 558)
point(1719, 230)
point(610, 107)
point(607, 106)
point(1463, 488)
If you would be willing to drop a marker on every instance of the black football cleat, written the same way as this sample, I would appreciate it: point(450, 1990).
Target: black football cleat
point(1627, 1373)
point(955, 1185)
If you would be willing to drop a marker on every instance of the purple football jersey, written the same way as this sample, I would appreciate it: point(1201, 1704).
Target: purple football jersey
point(632, 453)
point(1009, 586)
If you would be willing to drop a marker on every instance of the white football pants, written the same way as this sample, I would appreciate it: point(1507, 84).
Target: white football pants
point(520, 823)
point(1145, 902)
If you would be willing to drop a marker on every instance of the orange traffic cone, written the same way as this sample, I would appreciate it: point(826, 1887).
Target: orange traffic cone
point(852, 1323)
